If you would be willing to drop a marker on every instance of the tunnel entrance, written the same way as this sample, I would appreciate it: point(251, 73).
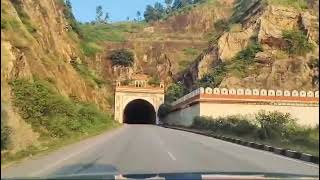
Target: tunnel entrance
point(139, 112)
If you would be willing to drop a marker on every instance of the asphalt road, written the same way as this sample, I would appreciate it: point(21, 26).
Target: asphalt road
point(153, 149)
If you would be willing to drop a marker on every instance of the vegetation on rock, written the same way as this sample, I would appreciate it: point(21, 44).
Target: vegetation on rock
point(122, 57)
point(297, 43)
point(214, 78)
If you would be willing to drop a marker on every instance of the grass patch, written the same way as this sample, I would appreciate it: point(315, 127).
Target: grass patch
point(191, 52)
point(17, 4)
point(297, 4)
point(184, 64)
point(95, 34)
point(88, 75)
point(90, 48)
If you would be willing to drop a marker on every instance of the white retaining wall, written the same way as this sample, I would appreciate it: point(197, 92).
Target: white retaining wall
point(306, 114)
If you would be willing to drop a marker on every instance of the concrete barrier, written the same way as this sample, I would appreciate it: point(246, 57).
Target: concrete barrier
point(279, 151)
point(268, 148)
point(292, 154)
point(306, 157)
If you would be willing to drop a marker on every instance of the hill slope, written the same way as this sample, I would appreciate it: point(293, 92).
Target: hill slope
point(40, 53)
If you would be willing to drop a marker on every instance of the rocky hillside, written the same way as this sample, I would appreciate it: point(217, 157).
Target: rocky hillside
point(166, 47)
point(264, 44)
point(38, 43)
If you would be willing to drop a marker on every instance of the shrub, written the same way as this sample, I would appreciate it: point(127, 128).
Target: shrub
point(247, 55)
point(214, 78)
point(4, 24)
point(191, 51)
point(314, 62)
point(243, 59)
point(174, 92)
point(164, 110)
point(297, 42)
point(122, 57)
point(273, 124)
point(5, 130)
point(221, 25)
point(154, 81)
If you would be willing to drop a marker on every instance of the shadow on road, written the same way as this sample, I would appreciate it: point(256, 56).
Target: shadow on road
point(84, 170)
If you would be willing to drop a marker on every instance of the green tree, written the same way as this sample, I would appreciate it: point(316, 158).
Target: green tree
point(106, 18)
point(149, 14)
point(177, 4)
point(138, 15)
point(159, 8)
point(168, 2)
point(122, 57)
point(68, 4)
point(99, 14)
point(174, 92)
point(169, 5)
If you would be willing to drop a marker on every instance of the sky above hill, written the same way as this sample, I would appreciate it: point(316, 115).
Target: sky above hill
point(119, 10)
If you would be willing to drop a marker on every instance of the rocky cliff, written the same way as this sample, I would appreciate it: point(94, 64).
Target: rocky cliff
point(273, 67)
point(167, 47)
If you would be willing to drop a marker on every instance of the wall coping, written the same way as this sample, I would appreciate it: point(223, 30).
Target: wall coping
point(246, 96)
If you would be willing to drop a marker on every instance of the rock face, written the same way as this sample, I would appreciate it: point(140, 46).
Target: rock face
point(273, 67)
point(36, 41)
point(231, 43)
point(198, 20)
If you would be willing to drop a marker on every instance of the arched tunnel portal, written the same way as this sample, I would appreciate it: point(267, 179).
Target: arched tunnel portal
point(139, 111)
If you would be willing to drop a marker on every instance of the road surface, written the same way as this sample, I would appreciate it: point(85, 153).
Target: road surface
point(153, 149)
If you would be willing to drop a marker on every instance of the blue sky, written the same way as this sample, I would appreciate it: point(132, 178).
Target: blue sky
point(119, 10)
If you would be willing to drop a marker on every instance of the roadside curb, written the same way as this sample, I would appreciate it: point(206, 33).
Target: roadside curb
point(280, 151)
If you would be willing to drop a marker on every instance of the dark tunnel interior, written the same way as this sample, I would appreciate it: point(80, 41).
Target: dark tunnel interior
point(139, 112)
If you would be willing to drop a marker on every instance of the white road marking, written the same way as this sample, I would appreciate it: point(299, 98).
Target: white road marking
point(171, 156)
point(52, 165)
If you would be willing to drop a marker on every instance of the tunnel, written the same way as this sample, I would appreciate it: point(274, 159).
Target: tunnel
point(139, 111)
